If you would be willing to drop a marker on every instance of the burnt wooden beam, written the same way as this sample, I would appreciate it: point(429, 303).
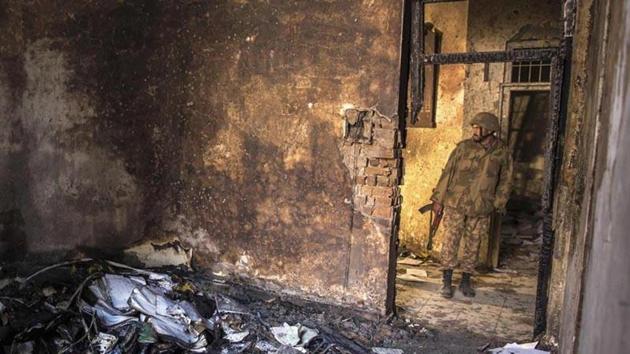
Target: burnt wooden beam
point(560, 81)
point(561, 72)
point(417, 52)
point(490, 57)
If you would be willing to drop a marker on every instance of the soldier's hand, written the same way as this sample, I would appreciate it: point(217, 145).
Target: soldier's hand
point(437, 208)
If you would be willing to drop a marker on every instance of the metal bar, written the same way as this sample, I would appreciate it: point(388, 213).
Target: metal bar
point(560, 72)
point(512, 55)
point(417, 47)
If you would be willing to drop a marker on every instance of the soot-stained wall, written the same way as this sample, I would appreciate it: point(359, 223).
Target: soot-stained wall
point(605, 307)
point(92, 111)
point(266, 191)
point(217, 122)
point(586, 289)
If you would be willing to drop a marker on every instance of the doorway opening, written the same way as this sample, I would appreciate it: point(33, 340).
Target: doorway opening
point(522, 86)
point(529, 113)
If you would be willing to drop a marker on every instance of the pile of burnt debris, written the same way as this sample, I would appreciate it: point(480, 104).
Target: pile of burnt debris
point(90, 306)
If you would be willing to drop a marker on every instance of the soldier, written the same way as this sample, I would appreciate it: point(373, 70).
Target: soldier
point(475, 183)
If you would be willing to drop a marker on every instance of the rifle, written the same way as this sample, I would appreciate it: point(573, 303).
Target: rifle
point(434, 223)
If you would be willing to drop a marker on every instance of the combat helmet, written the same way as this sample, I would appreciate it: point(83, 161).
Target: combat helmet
point(487, 121)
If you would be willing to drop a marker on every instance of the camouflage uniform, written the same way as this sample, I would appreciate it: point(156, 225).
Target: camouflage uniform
point(475, 183)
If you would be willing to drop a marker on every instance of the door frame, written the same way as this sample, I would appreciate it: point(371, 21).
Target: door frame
point(560, 57)
point(504, 103)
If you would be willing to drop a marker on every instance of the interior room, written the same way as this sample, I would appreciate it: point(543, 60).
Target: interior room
point(518, 93)
point(321, 176)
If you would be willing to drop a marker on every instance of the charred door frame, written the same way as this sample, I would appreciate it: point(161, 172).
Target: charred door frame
point(560, 60)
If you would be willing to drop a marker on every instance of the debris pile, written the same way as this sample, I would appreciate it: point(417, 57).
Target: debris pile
point(515, 348)
point(90, 306)
point(521, 237)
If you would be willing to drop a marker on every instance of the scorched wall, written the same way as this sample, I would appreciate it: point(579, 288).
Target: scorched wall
point(216, 122)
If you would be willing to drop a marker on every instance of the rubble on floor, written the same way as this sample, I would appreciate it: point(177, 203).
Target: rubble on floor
point(521, 239)
point(91, 306)
point(514, 348)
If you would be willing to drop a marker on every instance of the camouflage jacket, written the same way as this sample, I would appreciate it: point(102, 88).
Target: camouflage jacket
point(476, 181)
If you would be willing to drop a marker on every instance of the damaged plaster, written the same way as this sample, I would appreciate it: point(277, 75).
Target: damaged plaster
point(57, 177)
point(268, 98)
point(213, 123)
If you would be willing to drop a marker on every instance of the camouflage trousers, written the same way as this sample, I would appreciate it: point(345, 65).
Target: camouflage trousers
point(472, 229)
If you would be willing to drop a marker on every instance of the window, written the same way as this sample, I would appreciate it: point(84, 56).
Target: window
point(531, 71)
point(426, 117)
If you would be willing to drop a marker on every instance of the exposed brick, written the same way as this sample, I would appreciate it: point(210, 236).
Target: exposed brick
point(370, 202)
point(388, 124)
point(389, 163)
point(361, 160)
point(378, 171)
point(359, 200)
point(384, 212)
point(377, 191)
point(371, 180)
point(384, 137)
point(379, 151)
point(383, 181)
point(384, 224)
point(383, 201)
point(366, 210)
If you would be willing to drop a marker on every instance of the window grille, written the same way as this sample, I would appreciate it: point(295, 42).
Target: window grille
point(531, 71)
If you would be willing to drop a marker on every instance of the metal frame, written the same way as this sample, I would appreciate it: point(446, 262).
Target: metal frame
point(489, 57)
point(560, 58)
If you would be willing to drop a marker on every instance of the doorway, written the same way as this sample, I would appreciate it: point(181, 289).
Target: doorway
point(507, 271)
point(510, 283)
point(529, 114)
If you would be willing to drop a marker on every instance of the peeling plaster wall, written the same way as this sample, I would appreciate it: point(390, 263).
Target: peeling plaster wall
point(86, 168)
point(606, 306)
point(11, 84)
point(215, 122)
point(572, 191)
point(427, 149)
point(65, 181)
point(263, 172)
point(587, 310)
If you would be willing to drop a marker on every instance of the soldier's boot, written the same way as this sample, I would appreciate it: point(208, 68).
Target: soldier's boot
point(465, 286)
point(447, 288)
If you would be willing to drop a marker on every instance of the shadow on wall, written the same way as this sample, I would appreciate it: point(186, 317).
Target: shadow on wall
point(12, 236)
point(93, 140)
point(262, 170)
point(106, 99)
point(213, 121)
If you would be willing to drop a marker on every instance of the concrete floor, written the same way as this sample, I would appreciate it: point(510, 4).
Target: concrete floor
point(503, 309)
